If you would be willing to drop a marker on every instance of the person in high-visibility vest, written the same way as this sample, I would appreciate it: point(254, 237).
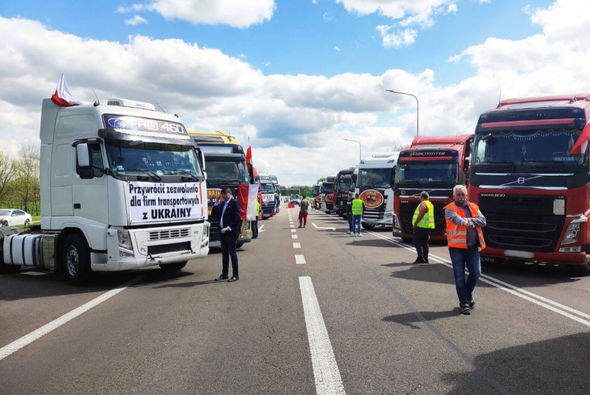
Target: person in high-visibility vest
point(255, 222)
point(357, 214)
point(465, 239)
point(423, 222)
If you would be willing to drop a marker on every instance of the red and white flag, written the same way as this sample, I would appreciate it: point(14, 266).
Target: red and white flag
point(62, 96)
point(249, 155)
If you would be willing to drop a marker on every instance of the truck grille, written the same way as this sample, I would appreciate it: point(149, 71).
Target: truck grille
point(407, 209)
point(168, 234)
point(161, 249)
point(521, 222)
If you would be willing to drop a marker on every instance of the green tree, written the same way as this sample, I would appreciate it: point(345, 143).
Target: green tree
point(7, 174)
point(27, 186)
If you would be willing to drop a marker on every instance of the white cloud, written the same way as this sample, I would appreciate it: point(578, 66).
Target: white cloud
point(136, 20)
point(236, 13)
point(401, 38)
point(132, 8)
point(295, 122)
point(337, 48)
point(405, 13)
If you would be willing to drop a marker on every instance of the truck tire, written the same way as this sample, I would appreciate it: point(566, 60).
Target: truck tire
point(407, 240)
point(173, 267)
point(76, 259)
point(6, 231)
point(368, 226)
point(239, 244)
point(583, 270)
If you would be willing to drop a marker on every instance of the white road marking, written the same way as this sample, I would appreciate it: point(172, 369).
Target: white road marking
point(293, 230)
point(296, 245)
point(325, 369)
point(292, 226)
point(323, 227)
point(539, 300)
point(260, 229)
point(24, 341)
point(300, 259)
point(294, 236)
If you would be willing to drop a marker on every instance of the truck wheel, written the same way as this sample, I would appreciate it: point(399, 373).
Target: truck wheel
point(27, 222)
point(407, 240)
point(583, 270)
point(368, 226)
point(173, 267)
point(76, 259)
point(239, 244)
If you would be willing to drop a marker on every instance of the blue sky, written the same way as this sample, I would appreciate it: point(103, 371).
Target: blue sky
point(296, 77)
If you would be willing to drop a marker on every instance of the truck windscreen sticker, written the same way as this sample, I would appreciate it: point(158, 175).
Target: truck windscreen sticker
point(125, 122)
point(149, 202)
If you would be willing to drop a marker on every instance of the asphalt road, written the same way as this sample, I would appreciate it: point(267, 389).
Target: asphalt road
point(315, 310)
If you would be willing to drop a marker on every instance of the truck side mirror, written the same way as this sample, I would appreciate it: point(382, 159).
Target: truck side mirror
point(466, 165)
point(83, 161)
point(82, 155)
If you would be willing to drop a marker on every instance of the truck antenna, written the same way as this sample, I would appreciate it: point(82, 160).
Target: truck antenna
point(97, 102)
point(160, 107)
point(499, 98)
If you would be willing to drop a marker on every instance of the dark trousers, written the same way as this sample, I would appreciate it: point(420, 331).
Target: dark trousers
point(421, 237)
point(228, 249)
point(350, 222)
point(255, 228)
point(461, 258)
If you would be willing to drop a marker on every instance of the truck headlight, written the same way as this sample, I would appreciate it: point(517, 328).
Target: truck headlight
point(573, 230)
point(124, 239)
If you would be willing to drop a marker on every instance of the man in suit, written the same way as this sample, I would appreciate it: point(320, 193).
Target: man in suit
point(229, 221)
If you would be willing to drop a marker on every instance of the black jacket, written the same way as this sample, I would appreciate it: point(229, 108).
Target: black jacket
point(232, 216)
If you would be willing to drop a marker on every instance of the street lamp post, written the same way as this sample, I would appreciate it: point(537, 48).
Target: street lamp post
point(360, 150)
point(417, 108)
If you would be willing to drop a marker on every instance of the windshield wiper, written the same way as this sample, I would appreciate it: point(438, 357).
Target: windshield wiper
point(190, 176)
point(149, 172)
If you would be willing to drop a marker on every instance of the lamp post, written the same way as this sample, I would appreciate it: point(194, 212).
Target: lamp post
point(360, 150)
point(417, 108)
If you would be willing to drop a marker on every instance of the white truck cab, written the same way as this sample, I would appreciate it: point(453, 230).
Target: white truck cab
point(122, 188)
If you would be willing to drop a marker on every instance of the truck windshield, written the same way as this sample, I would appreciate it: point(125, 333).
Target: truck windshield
point(344, 186)
point(267, 188)
point(374, 178)
point(327, 187)
point(225, 170)
point(536, 148)
point(159, 159)
point(426, 172)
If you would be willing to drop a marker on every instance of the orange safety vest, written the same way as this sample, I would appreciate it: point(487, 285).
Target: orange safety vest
point(457, 234)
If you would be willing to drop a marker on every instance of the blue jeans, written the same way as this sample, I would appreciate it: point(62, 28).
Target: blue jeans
point(356, 224)
point(462, 257)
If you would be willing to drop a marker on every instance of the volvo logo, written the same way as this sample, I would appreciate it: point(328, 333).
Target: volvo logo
point(520, 180)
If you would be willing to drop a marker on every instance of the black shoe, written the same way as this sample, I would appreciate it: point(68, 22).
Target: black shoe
point(471, 304)
point(418, 260)
point(234, 278)
point(221, 278)
point(465, 309)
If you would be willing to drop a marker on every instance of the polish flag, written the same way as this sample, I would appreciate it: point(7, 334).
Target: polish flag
point(62, 96)
point(582, 142)
point(247, 195)
point(249, 155)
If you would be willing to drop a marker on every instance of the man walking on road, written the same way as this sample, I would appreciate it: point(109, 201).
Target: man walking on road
point(465, 238)
point(303, 207)
point(229, 221)
point(422, 222)
point(357, 214)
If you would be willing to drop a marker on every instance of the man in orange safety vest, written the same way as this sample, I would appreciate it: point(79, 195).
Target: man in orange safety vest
point(465, 239)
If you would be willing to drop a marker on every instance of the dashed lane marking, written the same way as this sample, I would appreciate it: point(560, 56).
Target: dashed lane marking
point(296, 245)
point(294, 236)
point(293, 230)
point(300, 259)
point(325, 369)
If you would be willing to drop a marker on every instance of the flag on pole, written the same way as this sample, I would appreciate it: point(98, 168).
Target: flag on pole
point(62, 96)
point(249, 155)
point(582, 142)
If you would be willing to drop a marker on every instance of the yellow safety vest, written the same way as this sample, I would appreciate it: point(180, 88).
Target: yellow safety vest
point(457, 234)
point(427, 220)
point(357, 207)
point(257, 209)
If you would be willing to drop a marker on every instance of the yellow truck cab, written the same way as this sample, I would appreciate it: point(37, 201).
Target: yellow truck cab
point(225, 165)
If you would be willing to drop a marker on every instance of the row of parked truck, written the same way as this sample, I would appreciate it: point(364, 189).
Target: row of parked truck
point(124, 186)
point(527, 166)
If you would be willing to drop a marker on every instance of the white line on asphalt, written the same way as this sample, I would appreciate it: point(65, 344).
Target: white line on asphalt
point(24, 341)
point(294, 236)
point(325, 369)
point(300, 259)
point(322, 227)
point(296, 245)
point(292, 226)
point(293, 230)
point(260, 229)
point(539, 300)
